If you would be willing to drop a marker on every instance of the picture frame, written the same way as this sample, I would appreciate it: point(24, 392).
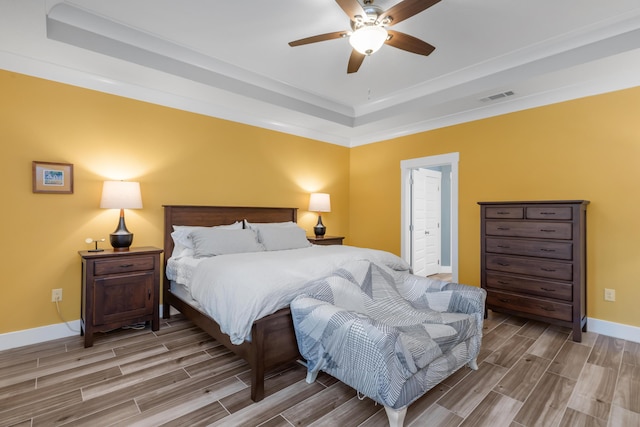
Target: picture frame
point(52, 177)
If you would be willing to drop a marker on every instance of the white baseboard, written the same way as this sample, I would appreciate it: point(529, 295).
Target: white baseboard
point(615, 330)
point(42, 334)
point(38, 335)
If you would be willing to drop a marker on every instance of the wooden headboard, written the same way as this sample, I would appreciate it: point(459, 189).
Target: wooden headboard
point(218, 215)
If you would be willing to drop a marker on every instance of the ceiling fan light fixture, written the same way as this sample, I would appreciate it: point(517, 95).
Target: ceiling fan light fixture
point(368, 39)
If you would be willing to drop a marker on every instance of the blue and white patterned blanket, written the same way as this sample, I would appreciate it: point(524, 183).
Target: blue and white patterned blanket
point(390, 335)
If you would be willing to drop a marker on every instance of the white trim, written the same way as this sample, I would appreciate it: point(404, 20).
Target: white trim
point(615, 330)
point(38, 335)
point(47, 333)
point(425, 162)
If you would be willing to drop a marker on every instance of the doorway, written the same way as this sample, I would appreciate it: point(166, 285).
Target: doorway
point(411, 243)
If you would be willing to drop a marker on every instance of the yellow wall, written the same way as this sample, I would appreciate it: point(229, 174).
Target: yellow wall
point(178, 157)
point(582, 149)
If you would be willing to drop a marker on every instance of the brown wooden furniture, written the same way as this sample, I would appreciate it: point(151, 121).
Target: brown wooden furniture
point(533, 260)
point(326, 240)
point(119, 289)
point(273, 340)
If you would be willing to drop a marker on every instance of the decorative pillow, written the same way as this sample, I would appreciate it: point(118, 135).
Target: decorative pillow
point(182, 241)
point(276, 237)
point(220, 241)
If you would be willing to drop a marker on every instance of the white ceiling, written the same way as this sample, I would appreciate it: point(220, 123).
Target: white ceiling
point(230, 59)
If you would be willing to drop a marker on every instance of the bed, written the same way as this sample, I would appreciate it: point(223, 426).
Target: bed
point(265, 340)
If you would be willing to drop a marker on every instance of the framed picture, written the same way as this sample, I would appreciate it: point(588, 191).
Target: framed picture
point(50, 177)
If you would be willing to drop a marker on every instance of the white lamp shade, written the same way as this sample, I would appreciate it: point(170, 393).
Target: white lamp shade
point(121, 195)
point(320, 202)
point(368, 39)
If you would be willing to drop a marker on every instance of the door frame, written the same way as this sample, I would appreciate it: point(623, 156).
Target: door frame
point(406, 166)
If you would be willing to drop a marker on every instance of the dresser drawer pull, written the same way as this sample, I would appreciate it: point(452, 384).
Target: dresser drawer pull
point(504, 247)
point(548, 230)
point(504, 300)
point(547, 250)
point(549, 270)
point(503, 228)
point(126, 265)
point(547, 213)
point(548, 289)
point(503, 264)
point(545, 308)
point(502, 282)
point(502, 213)
point(149, 294)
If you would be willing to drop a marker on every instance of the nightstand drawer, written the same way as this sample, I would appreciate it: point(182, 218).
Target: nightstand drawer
point(123, 265)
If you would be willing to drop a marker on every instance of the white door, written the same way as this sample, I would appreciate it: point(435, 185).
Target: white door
point(425, 221)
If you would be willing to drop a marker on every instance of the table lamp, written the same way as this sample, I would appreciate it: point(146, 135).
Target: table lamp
point(121, 195)
point(319, 202)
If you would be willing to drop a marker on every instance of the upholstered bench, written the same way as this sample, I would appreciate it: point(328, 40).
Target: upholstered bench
point(392, 336)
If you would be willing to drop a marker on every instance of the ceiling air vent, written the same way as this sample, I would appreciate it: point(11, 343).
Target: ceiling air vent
point(497, 96)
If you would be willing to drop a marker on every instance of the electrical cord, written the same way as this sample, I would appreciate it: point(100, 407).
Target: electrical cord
point(62, 318)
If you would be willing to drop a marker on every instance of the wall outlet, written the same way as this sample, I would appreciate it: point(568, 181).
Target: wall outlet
point(609, 294)
point(56, 295)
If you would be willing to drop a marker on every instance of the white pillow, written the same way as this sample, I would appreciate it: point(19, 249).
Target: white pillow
point(221, 241)
point(181, 240)
point(256, 225)
point(276, 237)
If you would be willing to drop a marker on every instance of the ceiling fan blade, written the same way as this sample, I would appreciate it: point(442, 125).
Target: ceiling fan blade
point(318, 38)
point(352, 8)
point(409, 43)
point(355, 61)
point(406, 9)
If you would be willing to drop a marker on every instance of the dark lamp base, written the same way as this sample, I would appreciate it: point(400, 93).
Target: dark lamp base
point(121, 239)
point(320, 229)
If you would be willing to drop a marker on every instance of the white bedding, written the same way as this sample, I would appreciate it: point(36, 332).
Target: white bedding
point(237, 289)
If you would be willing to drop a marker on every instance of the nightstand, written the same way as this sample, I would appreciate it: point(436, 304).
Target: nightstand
point(119, 289)
point(326, 240)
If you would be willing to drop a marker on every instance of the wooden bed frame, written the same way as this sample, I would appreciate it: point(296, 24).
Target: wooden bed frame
point(273, 342)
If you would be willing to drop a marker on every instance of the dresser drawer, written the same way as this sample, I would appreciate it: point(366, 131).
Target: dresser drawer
point(530, 267)
point(504, 212)
point(531, 305)
point(124, 265)
point(534, 229)
point(549, 212)
point(528, 285)
point(537, 248)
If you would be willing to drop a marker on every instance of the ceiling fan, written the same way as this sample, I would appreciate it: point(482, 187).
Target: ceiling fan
point(369, 29)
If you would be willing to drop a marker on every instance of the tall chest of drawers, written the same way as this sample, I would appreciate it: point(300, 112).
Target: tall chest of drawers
point(533, 260)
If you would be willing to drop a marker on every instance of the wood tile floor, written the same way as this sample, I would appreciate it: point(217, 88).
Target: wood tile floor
point(530, 375)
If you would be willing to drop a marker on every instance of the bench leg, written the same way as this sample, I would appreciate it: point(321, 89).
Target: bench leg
point(396, 416)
